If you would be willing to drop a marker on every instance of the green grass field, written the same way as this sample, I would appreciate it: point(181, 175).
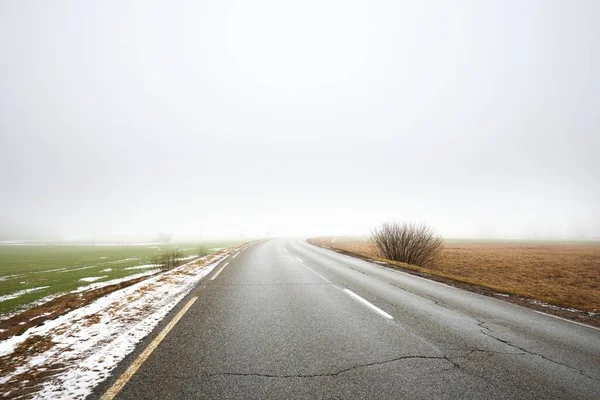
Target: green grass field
point(29, 273)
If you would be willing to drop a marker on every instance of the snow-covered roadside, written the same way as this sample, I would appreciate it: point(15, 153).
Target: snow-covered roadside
point(86, 344)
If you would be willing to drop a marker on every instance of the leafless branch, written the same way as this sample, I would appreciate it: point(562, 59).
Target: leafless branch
point(407, 242)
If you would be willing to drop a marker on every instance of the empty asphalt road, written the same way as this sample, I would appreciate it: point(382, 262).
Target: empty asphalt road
point(285, 319)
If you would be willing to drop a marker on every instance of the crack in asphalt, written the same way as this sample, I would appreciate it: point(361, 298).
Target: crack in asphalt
point(481, 323)
point(333, 374)
point(454, 366)
point(486, 330)
point(358, 270)
point(471, 351)
point(437, 302)
point(508, 343)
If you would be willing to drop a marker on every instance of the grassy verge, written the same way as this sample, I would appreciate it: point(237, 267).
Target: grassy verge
point(558, 277)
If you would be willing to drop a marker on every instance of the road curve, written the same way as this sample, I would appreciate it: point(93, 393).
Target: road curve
point(286, 319)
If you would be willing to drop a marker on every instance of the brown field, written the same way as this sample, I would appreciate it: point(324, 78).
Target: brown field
point(561, 274)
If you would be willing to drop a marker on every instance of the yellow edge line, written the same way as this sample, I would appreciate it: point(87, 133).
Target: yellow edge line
point(123, 379)
point(219, 271)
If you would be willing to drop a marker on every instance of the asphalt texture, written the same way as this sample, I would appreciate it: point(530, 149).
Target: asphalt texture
point(282, 320)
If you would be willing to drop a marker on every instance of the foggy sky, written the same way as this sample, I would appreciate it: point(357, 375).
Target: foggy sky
point(224, 118)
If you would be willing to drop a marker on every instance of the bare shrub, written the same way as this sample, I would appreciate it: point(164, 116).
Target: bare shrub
point(168, 260)
point(202, 251)
point(407, 242)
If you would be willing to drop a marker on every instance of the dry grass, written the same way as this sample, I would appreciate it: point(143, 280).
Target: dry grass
point(565, 275)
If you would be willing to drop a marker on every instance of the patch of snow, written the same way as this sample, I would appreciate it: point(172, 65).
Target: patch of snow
point(91, 340)
point(26, 274)
point(44, 271)
point(51, 270)
point(501, 294)
point(111, 282)
point(120, 261)
point(145, 266)
point(103, 258)
point(78, 269)
point(187, 258)
point(129, 259)
point(106, 270)
point(21, 293)
point(28, 306)
point(550, 306)
point(92, 278)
